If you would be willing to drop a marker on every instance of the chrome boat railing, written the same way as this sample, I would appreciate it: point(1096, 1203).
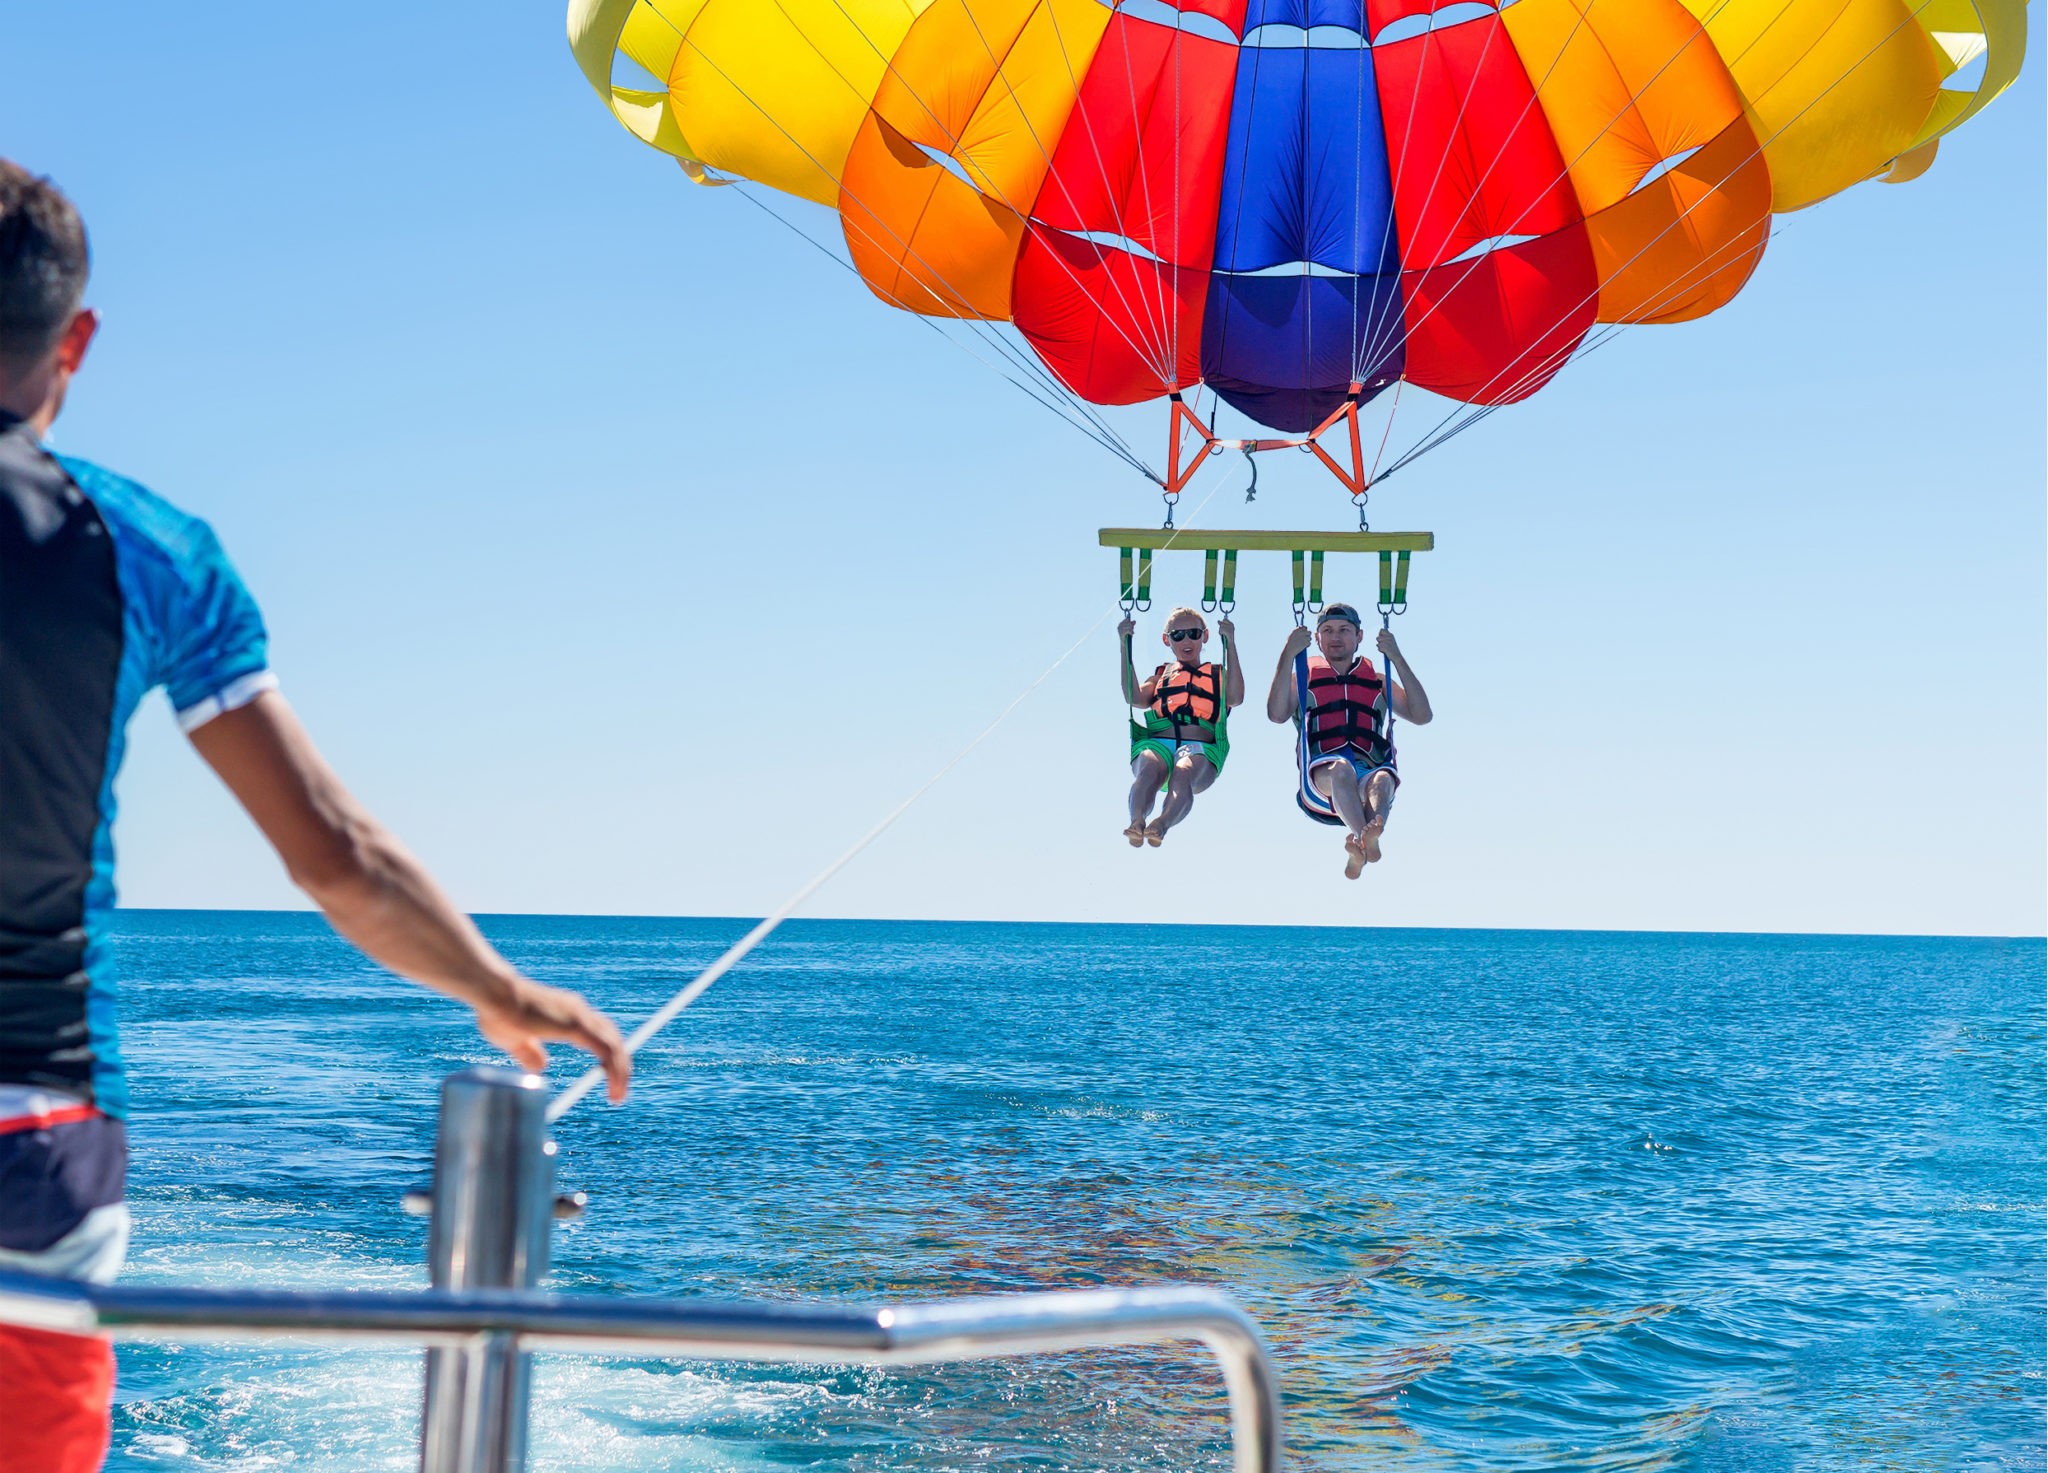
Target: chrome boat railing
point(493, 1198)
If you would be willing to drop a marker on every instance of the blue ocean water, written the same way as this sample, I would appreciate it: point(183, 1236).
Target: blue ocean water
point(1501, 1200)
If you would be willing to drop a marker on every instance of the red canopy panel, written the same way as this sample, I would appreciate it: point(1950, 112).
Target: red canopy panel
point(1110, 284)
point(1383, 13)
point(1142, 154)
point(1476, 171)
point(1496, 330)
point(1114, 327)
point(1229, 12)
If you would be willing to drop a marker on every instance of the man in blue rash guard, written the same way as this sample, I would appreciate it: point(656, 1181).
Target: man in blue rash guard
point(105, 593)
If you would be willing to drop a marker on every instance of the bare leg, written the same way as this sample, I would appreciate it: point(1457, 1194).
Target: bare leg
point(1191, 774)
point(1334, 781)
point(1377, 794)
point(1148, 771)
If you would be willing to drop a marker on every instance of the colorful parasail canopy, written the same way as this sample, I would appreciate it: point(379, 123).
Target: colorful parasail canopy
point(1298, 202)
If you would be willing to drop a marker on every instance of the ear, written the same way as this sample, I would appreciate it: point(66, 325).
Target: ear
point(77, 338)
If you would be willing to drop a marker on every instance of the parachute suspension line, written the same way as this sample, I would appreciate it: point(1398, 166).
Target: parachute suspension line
point(1308, 296)
point(1029, 364)
point(981, 329)
point(1632, 101)
point(1457, 124)
point(1472, 414)
point(667, 1013)
point(1563, 177)
point(1155, 321)
point(1236, 230)
point(1090, 426)
point(1432, 439)
point(1438, 435)
point(1172, 305)
point(1094, 144)
point(1361, 364)
point(1707, 266)
point(797, 144)
point(1385, 313)
point(1380, 454)
point(1024, 211)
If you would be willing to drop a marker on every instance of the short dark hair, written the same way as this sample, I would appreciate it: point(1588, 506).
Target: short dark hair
point(44, 261)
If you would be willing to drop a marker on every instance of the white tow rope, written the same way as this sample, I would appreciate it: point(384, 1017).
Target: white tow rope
point(666, 1013)
point(734, 954)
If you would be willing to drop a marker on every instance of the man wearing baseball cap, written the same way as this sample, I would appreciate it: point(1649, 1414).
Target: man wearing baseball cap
point(1348, 739)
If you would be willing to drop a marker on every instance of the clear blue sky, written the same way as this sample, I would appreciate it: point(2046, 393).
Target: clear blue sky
point(628, 558)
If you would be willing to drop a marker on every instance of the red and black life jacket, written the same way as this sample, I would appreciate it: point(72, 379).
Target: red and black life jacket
point(1346, 710)
point(1188, 695)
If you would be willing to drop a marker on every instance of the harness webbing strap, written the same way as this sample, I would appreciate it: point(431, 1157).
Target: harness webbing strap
point(1386, 580)
point(1311, 802)
point(1145, 577)
point(1401, 581)
point(1128, 590)
point(1229, 593)
point(1209, 560)
point(1315, 579)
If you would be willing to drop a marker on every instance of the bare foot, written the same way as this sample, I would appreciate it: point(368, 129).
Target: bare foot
point(1354, 857)
point(1155, 833)
point(1369, 843)
point(1136, 834)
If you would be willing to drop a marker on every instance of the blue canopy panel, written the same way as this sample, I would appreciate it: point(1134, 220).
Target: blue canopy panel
point(1305, 297)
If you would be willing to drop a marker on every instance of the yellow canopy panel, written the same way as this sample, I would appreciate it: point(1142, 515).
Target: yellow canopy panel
point(1835, 89)
point(1676, 195)
point(1961, 31)
point(774, 92)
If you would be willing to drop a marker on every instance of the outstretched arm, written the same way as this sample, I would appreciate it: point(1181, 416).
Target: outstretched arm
point(381, 898)
point(1280, 698)
point(1411, 702)
point(1233, 680)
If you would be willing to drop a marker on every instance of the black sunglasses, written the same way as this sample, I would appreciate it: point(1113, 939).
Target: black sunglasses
point(1180, 634)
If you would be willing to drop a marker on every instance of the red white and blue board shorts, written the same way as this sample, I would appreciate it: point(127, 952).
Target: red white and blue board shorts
point(106, 593)
point(62, 1165)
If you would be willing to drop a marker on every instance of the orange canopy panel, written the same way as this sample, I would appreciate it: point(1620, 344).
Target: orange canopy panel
point(948, 163)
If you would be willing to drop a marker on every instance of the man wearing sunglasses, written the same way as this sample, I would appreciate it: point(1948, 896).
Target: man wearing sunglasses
point(1348, 741)
point(1186, 705)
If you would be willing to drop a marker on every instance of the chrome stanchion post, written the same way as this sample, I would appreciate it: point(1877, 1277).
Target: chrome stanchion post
point(493, 1207)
